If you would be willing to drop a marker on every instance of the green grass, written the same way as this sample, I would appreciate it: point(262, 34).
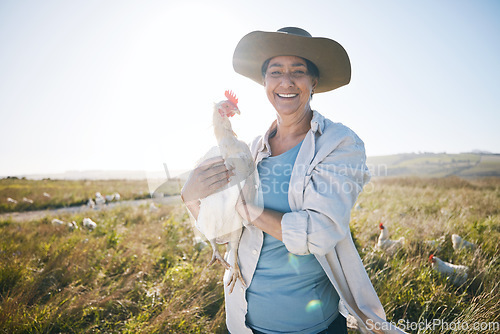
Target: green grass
point(426, 209)
point(65, 193)
point(140, 271)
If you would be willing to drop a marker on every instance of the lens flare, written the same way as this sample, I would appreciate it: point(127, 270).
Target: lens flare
point(294, 262)
point(313, 305)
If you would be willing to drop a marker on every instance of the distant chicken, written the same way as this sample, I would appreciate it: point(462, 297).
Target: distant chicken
point(387, 245)
point(57, 222)
point(456, 273)
point(91, 203)
point(436, 243)
point(99, 199)
point(458, 242)
point(218, 219)
point(27, 200)
point(72, 226)
point(89, 224)
point(11, 200)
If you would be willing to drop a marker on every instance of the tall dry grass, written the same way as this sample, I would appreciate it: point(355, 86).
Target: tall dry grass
point(427, 209)
point(141, 272)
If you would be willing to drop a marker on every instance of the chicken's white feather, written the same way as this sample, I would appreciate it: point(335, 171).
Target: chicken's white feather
point(457, 274)
point(218, 218)
point(459, 242)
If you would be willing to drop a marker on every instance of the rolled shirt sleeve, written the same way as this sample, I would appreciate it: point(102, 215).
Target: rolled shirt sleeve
point(332, 186)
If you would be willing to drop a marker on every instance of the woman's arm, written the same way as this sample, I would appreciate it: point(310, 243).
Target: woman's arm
point(266, 220)
point(330, 191)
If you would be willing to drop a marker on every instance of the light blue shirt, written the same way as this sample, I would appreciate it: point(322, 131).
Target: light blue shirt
point(288, 293)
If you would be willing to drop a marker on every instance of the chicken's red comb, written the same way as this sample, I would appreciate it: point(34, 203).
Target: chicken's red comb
point(231, 97)
point(381, 226)
point(431, 258)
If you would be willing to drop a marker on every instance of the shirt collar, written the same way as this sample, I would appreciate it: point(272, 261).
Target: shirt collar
point(317, 122)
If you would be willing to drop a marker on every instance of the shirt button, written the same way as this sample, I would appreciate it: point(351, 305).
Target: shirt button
point(242, 290)
point(254, 252)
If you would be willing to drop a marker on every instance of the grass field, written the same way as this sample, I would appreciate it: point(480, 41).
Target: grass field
point(141, 271)
point(49, 194)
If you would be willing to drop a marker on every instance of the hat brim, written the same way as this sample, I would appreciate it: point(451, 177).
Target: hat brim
point(328, 55)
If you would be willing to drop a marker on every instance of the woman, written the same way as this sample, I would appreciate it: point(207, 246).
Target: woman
point(296, 254)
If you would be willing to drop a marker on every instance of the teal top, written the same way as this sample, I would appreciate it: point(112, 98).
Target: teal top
point(288, 293)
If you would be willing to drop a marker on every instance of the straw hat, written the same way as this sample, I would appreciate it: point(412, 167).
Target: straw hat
point(329, 56)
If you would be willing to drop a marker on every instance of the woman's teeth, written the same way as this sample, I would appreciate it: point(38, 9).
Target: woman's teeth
point(287, 95)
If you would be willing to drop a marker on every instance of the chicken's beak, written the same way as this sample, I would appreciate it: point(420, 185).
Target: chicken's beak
point(236, 110)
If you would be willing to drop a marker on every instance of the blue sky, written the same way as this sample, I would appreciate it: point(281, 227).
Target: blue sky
point(129, 85)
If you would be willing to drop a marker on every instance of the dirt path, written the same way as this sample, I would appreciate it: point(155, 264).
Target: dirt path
point(30, 215)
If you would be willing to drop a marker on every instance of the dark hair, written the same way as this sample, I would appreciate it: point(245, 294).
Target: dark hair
point(312, 70)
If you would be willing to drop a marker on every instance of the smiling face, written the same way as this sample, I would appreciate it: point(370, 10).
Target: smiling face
point(289, 85)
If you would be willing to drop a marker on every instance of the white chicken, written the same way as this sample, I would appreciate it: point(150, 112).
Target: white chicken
point(99, 199)
point(27, 200)
point(72, 226)
point(436, 243)
point(11, 200)
point(387, 245)
point(57, 222)
point(91, 203)
point(218, 219)
point(456, 273)
point(89, 224)
point(458, 242)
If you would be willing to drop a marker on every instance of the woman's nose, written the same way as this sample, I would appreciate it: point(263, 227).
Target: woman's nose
point(286, 80)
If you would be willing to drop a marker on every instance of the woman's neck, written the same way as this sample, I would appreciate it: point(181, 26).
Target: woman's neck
point(293, 126)
point(289, 132)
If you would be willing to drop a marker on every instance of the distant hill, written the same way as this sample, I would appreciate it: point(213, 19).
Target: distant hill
point(466, 165)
